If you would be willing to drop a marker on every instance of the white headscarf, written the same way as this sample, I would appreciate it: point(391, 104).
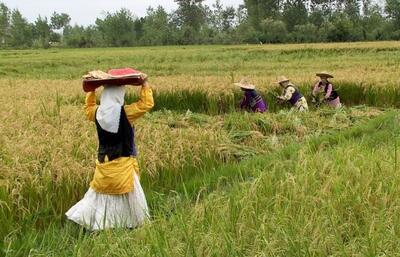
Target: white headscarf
point(109, 112)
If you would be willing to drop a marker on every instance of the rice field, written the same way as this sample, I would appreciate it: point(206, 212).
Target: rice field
point(219, 181)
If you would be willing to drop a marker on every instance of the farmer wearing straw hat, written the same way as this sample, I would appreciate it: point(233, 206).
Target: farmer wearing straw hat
point(292, 95)
point(324, 87)
point(115, 197)
point(252, 100)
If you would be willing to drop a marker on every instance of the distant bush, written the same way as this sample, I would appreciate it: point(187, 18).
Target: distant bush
point(194, 22)
point(273, 31)
point(305, 33)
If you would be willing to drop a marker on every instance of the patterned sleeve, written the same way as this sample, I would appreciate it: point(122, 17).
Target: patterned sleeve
point(315, 89)
point(288, 93)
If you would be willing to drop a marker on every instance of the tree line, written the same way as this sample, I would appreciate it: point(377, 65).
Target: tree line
point(193, 22)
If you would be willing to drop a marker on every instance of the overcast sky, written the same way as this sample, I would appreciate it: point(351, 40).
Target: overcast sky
point(85, 12)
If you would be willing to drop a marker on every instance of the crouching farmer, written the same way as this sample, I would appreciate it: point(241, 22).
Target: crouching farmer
point(252, 100)
point(292, 95)
point(326, 89)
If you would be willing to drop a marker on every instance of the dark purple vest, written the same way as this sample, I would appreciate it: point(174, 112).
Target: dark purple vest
point(333, 95)
point(116, 145)
point(255, 101)
point(295, 97)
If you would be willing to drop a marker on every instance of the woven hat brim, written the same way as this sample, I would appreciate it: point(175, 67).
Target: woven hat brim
point(282, 81)
point(248, 86)
point(324, 75)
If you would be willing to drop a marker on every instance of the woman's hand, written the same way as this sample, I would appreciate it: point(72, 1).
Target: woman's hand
point(144, 78)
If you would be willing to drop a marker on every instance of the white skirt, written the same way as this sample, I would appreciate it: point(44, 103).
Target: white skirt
point(98, 211)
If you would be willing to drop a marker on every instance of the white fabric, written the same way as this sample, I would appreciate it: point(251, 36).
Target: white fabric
point(302, 105)
point(288, 92)
point(109, 111)
point(100, 211)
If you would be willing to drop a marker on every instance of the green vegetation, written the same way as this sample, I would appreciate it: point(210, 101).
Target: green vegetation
point(194, 22)
point(325, 196)
point(219, 181)
point(363, 63)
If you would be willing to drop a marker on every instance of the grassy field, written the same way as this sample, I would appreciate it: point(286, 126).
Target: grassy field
point(219, 182)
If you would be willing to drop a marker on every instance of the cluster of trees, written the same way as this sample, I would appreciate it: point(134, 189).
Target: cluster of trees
point(193, 22)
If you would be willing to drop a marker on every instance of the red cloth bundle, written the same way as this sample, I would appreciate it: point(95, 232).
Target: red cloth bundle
point(114, 77)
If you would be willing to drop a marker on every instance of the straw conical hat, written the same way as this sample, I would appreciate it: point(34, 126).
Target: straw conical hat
point(282, 79)
point(324, 74)
point(244, 83)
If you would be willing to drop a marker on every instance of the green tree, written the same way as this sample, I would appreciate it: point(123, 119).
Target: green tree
point(352, 8)
point(4, 24)
point(216, 15)
point(42, 32)
point(259, 10)
point(223, 19)
point(294, 13)
point(191, 13)
point(138, 28)
point(190, 17)
point(373, 23)
point(305, 33)
point(324, 31)
point(79, 36)
point(228, 18)
point(273, 31)
point(256, 21)
point(156, 27)
point(342, 29)
point(21, 31)
point(320, 11)
point(392, 9)
point(59, 20)
point(244, 32)
point(118, 29)
point(241, 14)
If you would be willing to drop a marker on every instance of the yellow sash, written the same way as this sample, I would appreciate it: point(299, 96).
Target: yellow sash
point(114, 177)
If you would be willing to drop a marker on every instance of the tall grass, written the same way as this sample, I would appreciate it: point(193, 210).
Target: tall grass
point(48, 164)
point(202, 101)
point(355, 62)
point(313, 199)
point(220, 182)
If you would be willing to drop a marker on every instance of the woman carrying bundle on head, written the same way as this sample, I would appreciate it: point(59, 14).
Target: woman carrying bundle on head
point(292, 95)
point(115, 198)
point(323, 91)
point(252, 100)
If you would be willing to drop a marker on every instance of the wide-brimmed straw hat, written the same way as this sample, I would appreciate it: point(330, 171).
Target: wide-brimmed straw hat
point(282, 79)
point(324, 74)
point(244, 83)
